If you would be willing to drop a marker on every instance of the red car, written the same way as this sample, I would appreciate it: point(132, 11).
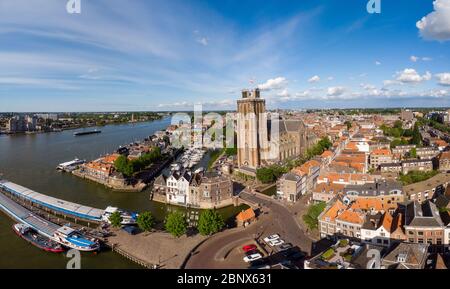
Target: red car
point(249, 248)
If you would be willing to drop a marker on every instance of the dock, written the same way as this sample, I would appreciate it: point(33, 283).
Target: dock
point(59, 206)
point(23, 215)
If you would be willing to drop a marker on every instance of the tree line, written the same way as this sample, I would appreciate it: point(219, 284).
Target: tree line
point(209, 222)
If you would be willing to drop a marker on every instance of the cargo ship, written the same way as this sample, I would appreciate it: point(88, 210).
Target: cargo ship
point(31, 236)
point(81, 133)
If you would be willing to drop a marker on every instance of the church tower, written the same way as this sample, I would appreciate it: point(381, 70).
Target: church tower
point(251, 128)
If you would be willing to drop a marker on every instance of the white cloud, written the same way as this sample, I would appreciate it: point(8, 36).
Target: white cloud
point(203, 41)
point(283, 93)
point(330, 78)
point(417, 58)
point(443, 78)
point(377, 62)
point(274, 83)
point(391, 82)
point(313, 79)
point(335, 91)
point(367, 86)
point(436, 25)
point(410, 75)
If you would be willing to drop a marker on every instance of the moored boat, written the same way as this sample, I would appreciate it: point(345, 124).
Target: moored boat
point(75, 240)
point(31, 236)
point(128, 218)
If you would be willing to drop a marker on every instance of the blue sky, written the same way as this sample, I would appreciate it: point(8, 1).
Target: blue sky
point(136, 55)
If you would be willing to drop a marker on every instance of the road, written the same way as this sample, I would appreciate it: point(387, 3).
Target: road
point(282, 221)
point(276, 219)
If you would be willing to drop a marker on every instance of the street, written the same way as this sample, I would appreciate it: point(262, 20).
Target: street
point(220, 251)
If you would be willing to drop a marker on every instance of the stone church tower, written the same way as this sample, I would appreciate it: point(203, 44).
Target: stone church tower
point(251, 129)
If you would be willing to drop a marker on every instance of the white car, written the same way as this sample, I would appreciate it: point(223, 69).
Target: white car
point(252, 257)
point(272, 238)
point(276, 242)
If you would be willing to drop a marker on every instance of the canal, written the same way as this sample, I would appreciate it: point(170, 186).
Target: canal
point(30, 160)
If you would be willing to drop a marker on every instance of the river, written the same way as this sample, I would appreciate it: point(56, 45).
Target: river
point(30, 160)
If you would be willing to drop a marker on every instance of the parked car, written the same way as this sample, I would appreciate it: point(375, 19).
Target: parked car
point(252, 257)
point(271, 238)
point(276, 242)
point(294, 255)
point(285, 246)
point(248, 248)
point(252, 252)
point(258, 263)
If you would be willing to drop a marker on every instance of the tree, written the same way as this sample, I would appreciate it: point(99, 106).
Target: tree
point(145, 221)
point(348, 124)
point(311, 217)
point(416, 136)
point(413, 153)
point(265, 175)
point(176, 224)
point(210, 222)
point(116, 219)
point(124, 166)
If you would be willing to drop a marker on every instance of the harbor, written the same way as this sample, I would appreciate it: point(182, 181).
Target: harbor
point(34, 167)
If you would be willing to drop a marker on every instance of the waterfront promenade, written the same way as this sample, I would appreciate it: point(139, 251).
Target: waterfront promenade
point(158, 249)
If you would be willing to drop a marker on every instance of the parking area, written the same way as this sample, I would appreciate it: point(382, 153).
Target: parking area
point(272, 252)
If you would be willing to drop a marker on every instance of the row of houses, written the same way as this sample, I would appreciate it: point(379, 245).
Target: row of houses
point(345, 254)
point(381, 213)
point(199, 190)
point(300, 180)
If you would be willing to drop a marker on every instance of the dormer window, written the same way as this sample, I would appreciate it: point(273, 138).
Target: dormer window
point(401, 258)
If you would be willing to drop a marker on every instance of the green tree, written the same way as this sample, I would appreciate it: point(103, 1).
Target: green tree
point(311, 217)
point(348, 124)
point(145, 221)
point(124, 166)
point(265, 175)
point(176, 224)
point(210, 222)
point(116, 219)
point(413, 153)
point(416, 136)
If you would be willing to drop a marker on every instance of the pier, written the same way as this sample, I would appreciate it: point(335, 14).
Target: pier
point(22, 215)
point(77, 211)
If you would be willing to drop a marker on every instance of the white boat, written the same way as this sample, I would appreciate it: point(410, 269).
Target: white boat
point(128, 218)
point(199, 170)
point(70, 166)
point(71, 238)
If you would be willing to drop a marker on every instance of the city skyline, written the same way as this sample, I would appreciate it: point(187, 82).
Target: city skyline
point(151, 56)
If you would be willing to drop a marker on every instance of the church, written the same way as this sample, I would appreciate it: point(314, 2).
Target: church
point(264, 138)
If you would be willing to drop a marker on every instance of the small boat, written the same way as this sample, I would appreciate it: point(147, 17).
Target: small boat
point(30, 235)
point(73, 239)
point(128, 218)
point(70, 166)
